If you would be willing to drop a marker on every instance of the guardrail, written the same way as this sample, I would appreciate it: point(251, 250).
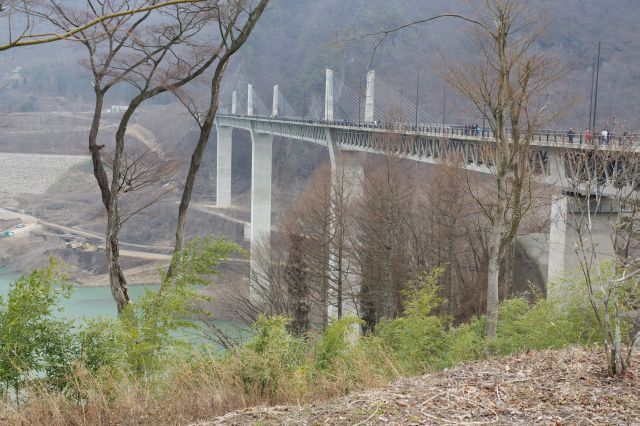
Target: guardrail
point(551, 137)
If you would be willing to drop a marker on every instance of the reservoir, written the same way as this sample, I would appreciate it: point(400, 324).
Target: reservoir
point(85, 302)
point(91, 302)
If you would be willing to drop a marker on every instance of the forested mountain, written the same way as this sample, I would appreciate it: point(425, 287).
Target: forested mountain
point(301, 37)
point(297, 39)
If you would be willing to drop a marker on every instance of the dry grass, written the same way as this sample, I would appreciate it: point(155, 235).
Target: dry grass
point(547, 387)
point(188, 393)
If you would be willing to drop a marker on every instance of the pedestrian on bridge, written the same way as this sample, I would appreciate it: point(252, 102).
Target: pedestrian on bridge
point(587, 136)
point(571, 133)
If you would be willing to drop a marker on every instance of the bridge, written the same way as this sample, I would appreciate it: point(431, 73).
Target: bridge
point(427, 143)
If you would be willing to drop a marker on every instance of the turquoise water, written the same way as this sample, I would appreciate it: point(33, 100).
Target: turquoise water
point(85, 302)
point(91, 302)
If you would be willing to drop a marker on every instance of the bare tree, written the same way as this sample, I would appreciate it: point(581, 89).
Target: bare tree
point(144, 180)
point(507, 86)
point(23, 21)
point(236, 20)
point(603, 185)
point(450, 211)
point(383, 214)
point(307, 270)
point(153, 59)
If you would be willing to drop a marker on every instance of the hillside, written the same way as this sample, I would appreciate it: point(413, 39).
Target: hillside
point(300, 51)
point(296, 39)
point(548, 387)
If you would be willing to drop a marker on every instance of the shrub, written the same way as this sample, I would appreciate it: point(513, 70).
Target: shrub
point(33, 343)
point(546, 324)
point(273, 361)
point(337, 342)
point(464, 343)
point(418, 337)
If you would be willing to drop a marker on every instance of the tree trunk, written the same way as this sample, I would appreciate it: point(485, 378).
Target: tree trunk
point(96, 158)
point(119, 288)
point(194, 167)
point(117, 281)
point(116, 277)
point(389, 297)
point(492, 284)
point(508, 272)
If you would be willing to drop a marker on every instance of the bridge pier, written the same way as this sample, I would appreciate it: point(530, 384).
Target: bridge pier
point(369, 106)
point(557, 243)
point(557, 227)
point(353, 177)
point(346, 184)
point(261, 167)
point(223, 166)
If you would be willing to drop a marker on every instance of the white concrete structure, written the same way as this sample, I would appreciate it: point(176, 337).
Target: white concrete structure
point(432, 143)
point(261, 158)
point(249, 100)
point(234, 103)
point(557, 240)
point(369, 105)
point(276, 95)
point(223, 171)
point(328, 95)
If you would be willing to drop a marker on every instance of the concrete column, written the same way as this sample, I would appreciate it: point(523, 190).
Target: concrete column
point(250, 100)
point(261, 154)
point(274, 110)
point(346, 175)
point(353, 176)
point(223, 161)
point(328, 96)
point(556, 166)
point(369, 102)
point(234, 103)
point(557, 243)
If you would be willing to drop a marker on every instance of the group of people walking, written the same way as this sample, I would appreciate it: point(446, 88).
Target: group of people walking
point(603, 137)
point(472, 130)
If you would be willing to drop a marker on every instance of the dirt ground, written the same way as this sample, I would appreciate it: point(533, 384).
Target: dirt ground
point(548, 388)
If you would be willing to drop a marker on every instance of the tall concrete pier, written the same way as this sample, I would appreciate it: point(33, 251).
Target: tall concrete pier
point(261, 159)
point(223, 170)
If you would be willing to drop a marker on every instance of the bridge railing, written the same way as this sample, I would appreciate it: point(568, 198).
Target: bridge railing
point(467, 132)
